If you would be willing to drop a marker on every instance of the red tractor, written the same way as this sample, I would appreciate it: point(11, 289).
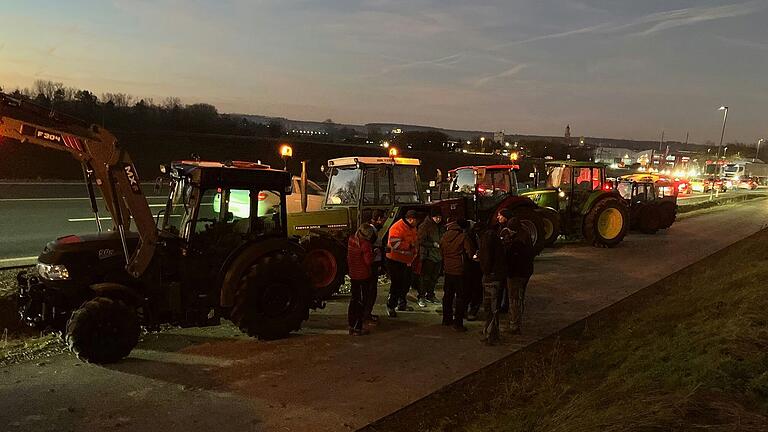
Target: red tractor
point(479, 193)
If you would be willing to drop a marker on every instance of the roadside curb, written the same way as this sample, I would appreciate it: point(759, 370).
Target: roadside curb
point(475, 390)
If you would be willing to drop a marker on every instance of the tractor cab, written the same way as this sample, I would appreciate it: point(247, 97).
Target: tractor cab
point(487, 185)
point(651, 201)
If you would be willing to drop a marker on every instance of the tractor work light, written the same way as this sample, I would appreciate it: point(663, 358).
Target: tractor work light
point(286, 151)
point(393, 152)
point(514, 156)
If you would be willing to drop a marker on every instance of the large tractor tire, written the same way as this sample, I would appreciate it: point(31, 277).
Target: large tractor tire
point(103, 330)
point(531, 222)
point(551, 223)
point(606, 223)
point(667, 213)
point(326, 265)
point(272, 296)
point(649, 219)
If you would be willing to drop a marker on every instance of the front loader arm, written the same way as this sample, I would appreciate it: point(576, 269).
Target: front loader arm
point(98, 150)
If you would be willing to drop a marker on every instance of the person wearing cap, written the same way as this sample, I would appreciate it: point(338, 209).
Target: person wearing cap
point(494, 266)
point(429, 254)
point(519, 255)
point(456, 249)
point(359, 262)
point(402, 246)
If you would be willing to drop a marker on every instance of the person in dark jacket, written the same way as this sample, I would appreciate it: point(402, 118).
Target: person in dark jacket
point(473, 273)
point(429, 254)
point(494, 266)
point(456, 250)
point(359, 262)
point(519, 254)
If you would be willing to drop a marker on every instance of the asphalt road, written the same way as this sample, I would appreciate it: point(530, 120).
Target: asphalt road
point(32, 214)
point(324, 380)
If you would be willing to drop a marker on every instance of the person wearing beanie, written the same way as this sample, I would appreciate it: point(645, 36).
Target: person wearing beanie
point(402, 247)
point(359, 262)
point(429, 254)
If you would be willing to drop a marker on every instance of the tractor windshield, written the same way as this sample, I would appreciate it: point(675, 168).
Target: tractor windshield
point(558, 176)
point(494, 182)
point(344, 186)
point(406, 181)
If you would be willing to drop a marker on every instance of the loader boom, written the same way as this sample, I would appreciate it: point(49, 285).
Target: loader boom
point(97, 149)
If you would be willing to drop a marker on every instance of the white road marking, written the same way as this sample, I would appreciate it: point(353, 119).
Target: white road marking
point(63, 199)
point(16, 260)
point(93, 219)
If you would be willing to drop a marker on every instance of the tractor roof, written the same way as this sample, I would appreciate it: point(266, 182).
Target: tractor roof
point(372, 160)
point(488, 167)
point(576, 163)
point(237, 174)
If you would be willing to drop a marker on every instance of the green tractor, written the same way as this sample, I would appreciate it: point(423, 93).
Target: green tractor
point(390, 184)
point(588, 204)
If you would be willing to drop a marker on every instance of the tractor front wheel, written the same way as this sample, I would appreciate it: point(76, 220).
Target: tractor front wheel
point(272, 296)
point(326, 265)
point(551, 223)
point(605, 225)
point(532, 223)
point(668, 214)
point(103, 330)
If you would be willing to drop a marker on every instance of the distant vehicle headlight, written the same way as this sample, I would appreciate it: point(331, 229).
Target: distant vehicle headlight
point(52, 271)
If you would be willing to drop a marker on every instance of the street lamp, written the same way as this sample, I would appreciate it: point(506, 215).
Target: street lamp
point(757, 153)
point(482, 144)
point(722, 133)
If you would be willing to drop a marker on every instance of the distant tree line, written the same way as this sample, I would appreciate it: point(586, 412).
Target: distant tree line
point(121, 111)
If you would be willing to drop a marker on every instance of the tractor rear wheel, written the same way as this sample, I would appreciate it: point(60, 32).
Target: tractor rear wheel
point(551, 222)
point(605, 225)
point(668, 214)
point(326, 264)
point(103, 330)
point(649, 219)
point(272, 296)
point(532, 223)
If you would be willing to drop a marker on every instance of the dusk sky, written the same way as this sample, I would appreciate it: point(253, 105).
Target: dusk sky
point(614, 68)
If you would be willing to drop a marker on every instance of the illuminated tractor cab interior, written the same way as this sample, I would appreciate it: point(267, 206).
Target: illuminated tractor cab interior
point(491, 184)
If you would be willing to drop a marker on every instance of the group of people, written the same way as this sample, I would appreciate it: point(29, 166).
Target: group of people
point(486, 266)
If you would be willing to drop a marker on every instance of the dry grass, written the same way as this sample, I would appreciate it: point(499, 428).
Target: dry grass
point(696, 359)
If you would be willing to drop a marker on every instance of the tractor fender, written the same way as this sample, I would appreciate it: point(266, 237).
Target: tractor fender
point(257, 248)
point(594, 198)
point(511, 202)
point(117, 291)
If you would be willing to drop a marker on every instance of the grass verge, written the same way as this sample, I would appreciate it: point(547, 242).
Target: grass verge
point(687, 353)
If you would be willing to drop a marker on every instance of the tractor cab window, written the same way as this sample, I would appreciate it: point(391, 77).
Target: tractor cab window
point(376, 186)
point(464, 182)
point(559, 177)
point(269, 220)
point(496, 182)
point(344, 186)
point(587, 179)
point(625, 189)
point(406, 181)
point(210, 210)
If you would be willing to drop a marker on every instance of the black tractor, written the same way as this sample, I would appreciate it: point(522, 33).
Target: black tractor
point(202, 258)
point(649, 209)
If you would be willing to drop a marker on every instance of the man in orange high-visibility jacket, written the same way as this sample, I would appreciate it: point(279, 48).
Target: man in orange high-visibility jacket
point(402, 245)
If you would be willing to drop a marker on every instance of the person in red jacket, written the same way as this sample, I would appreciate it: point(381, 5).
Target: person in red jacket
point(359, 261)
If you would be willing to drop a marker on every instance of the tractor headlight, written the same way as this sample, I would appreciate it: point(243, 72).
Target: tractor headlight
point(561, 194)
point(52, 271)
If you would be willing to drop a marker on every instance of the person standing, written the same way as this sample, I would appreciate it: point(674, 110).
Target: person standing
point(402, 247)
point(359, 261)
point(494, 266)
point(429, 254)
point(455, 248)
point(473, 273)
point(520, 254)
point(370, 293)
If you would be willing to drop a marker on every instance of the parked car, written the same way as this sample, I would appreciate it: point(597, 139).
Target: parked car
point(749, 183)
point(239, 204)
